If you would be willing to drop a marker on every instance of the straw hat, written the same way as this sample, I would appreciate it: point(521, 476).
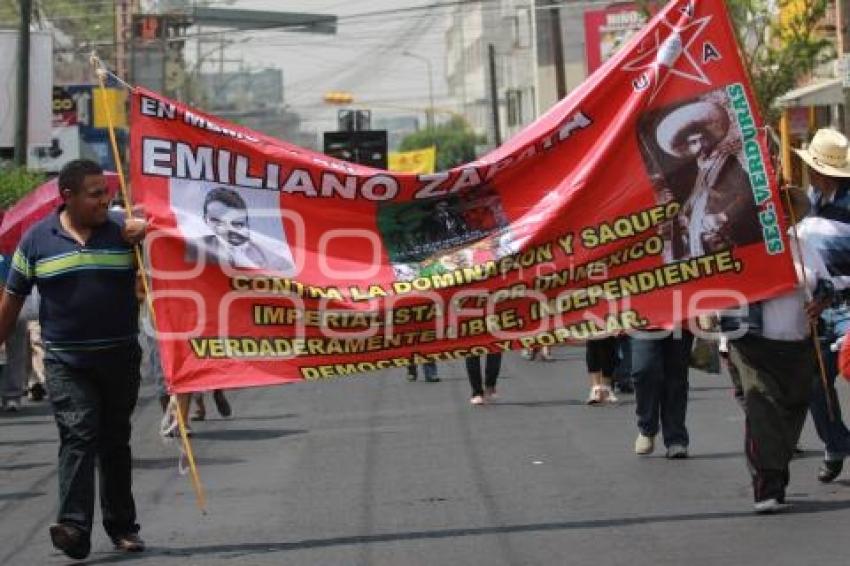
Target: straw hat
point(827, 153)
point(674, 129)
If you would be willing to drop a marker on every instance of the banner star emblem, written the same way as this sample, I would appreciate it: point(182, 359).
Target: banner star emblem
point(672, 53)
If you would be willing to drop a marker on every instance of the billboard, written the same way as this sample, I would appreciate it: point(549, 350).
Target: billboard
point(607, 30)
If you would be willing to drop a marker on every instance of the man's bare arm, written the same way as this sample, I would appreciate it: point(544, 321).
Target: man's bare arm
point(10, 308)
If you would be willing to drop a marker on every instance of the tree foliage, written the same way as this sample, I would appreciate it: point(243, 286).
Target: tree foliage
point(15, 182)
point(86, 22)
point(780, 48)
point(454, 139)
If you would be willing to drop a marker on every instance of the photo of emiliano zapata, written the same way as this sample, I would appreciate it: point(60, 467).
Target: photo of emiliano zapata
point(438, 235)
point(226, 225)
point(693, 154)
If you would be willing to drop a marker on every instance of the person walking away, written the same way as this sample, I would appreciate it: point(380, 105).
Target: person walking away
point(222, 405)
point(429, 372)
point(660, 374)
point(492, 365)
point(82, 264)
point(601, 357)
point(776, 363)
point(827, 231)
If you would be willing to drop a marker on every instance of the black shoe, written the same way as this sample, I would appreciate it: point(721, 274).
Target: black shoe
point(432, 379)
point(829, 470)
point(131, 542)
point(37, 392)
point(221, 403)
point(71, 540)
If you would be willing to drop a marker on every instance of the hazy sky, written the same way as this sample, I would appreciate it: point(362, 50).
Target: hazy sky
point(364, 57)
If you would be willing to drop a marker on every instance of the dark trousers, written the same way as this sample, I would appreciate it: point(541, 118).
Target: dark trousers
point(92, 408)
point(429, 370)
point(776, 379)
point(660, 374)
point(623, 369)
point(601, 356)
point(491, 372)
point(832, 432)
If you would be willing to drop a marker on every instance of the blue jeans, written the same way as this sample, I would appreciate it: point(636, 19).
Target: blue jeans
point(660, 375)
point(832, 432)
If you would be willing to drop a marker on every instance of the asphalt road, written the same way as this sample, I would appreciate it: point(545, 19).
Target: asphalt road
point(373, 470)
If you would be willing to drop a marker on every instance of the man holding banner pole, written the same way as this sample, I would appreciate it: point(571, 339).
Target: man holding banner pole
point(82, 263)
point(828, 230)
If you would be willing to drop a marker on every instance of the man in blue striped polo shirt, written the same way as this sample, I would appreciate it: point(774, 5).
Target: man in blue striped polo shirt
point(83, 264)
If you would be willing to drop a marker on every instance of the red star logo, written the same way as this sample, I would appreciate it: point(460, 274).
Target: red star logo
point(658, 59)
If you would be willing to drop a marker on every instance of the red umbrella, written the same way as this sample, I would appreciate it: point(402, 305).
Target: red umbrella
point(36, 205)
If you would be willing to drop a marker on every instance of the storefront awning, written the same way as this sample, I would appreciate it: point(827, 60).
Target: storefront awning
point(821, 93)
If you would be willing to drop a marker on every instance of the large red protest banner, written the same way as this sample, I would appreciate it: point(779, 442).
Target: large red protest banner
point(643, 198)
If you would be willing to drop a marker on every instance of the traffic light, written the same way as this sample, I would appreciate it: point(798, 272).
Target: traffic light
point(338, 97)
point(366, 147)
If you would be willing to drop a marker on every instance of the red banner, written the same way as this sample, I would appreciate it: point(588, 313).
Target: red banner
point(643, 198)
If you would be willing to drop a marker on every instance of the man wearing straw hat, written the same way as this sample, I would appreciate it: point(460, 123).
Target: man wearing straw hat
point(82, 263)
point(827, 230)
point(775, 359)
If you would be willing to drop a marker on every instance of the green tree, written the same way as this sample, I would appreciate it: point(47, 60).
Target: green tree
point(454, 139)
point(15, 182)
point(781, 42)
point(780, 48)
point(88, 23)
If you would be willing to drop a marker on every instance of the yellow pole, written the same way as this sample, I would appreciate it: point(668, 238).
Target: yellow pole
point(785, 143)
point(101, 73)
point(813, 326)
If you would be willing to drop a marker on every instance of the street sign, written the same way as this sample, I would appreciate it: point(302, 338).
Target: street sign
point(366, 147)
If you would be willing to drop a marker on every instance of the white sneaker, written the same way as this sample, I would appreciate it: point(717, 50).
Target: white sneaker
point(644, 445)
point(607, 394)
point(527, 354)
point(477, 400)
point(595, 395)
point(769, 506)
point(677, 452)
point(11, 405)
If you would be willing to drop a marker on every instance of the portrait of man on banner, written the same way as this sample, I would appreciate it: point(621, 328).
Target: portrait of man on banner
point(232, 226)
point(693, 153)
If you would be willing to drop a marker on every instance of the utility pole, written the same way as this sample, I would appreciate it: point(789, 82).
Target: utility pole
point(430, 113)
point(842, 27)
point(558, 49)
point(494, 96)
point(22, 118)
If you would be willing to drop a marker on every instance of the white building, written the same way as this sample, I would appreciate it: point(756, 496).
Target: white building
point(522, 33)
point(507, 26)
